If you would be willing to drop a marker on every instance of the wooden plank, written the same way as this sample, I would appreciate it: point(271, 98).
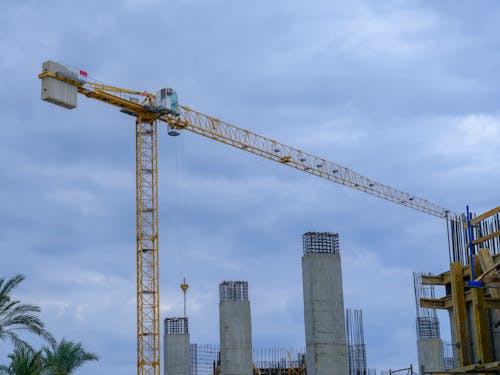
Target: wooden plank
point(487, 263)
point(481, 329)
point(433, 303)
point(485, 238)
point(487, 214)
point(433, 280)
point(495, 266)
point(445, 303)
point(459, 314)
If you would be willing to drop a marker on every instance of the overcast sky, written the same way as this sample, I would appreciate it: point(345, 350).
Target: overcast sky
point(404, 92)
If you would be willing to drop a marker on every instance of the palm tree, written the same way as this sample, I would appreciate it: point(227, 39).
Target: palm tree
point(65, 357)
point(16, 316)
point(23, 362)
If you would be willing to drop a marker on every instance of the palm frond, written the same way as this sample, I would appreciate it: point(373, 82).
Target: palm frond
point(65, 357)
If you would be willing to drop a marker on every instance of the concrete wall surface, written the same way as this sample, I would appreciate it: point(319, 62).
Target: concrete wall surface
point(326, 343)
point(235, 338)
point(176, 354)
point(430, 355)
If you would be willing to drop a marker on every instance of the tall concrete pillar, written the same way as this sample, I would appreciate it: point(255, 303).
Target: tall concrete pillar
point(326, 345)
point(176, 347)
point(235, 329)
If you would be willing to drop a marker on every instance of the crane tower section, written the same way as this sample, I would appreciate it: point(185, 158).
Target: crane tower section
point(148, 289)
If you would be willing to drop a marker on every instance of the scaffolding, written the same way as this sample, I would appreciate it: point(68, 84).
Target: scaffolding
point(321, 242)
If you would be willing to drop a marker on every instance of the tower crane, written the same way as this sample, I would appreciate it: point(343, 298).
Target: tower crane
point(60, 85)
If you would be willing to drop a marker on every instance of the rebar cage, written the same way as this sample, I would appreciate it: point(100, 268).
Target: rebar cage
point(427, 322)
point(176, 326)
point(321, 242)
point(233, 291)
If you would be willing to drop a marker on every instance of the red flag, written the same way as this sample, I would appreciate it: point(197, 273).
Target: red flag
point(83, 73)
point(144, 93)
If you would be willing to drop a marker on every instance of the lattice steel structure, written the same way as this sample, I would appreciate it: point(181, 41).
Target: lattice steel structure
point(356, 348)
point(176, 326)
point(427, 322)
point(321, 242)
point(233, 291)
point(148, 295)
point(246, 140)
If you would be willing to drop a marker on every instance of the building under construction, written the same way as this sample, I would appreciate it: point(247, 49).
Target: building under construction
point(334, 337)
point(472, 297)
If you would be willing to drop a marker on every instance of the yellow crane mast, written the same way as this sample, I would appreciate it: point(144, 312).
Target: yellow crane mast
point(60, 85)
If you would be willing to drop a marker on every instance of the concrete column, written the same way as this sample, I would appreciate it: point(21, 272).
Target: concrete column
point(430, 355)
point(176, 347)
point(235, 329)
point(326, 345)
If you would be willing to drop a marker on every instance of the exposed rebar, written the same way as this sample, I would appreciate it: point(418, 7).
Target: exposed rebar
point(356, 348)
point(321, 242)
point(233, 291)
point(176, 326)
point(427, 322)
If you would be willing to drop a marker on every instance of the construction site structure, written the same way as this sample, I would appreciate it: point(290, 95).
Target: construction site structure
point(176, 347)
point(472, 293)
point(235, 329)
point(61, 85)
point(325, 330)
point(430, 347)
